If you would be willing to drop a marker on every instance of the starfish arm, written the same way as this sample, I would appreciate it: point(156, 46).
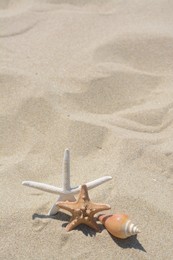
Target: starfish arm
point(76, 222)
point(69, 206)
point(43, 187)
point(53, 211)
point(83, 195)
point(92, 184)
point(66, 170)
point(92, 223)
point(97, 182)
point(55, 208)
point(97, 207)
point(73, 223)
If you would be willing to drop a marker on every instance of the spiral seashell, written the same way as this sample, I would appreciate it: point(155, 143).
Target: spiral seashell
point(119, 225)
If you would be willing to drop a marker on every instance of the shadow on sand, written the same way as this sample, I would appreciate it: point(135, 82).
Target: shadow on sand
point(131, 242)
point(59, 216)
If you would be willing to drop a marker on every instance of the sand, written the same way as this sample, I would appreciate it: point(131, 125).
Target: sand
point(96, 77)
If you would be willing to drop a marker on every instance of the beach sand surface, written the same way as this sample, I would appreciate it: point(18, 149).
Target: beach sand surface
point(96, 77)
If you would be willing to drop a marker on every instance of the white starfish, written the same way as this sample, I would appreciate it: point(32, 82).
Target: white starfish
point(66, 192)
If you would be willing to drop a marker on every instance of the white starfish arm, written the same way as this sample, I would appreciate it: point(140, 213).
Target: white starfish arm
point(56, 190)
point(43, 187)
point(54, 210)
point(92, 184)
point(66, 170)
point(97, 182)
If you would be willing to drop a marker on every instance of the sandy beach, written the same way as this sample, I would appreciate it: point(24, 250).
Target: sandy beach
point(96, 77)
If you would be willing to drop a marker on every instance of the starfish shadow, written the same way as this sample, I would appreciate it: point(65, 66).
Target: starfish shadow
point(59, 216)
point(87, 231)
point(130, 242)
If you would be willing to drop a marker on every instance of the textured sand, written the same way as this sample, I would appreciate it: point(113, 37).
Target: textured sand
point(96, 78)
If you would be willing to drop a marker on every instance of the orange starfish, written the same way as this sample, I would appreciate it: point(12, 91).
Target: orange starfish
point(83, 210)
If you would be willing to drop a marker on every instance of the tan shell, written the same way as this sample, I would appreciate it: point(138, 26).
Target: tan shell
point(119, 225)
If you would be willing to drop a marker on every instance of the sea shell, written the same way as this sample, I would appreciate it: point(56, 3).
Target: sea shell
point(119, 225)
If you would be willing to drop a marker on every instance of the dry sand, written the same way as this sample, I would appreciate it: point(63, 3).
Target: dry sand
point(96, 78)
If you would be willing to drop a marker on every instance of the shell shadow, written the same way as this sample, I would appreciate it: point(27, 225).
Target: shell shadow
point(130, 242)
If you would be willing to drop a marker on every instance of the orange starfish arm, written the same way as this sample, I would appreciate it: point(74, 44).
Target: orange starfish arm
point(92, 223)
point(69, 206)
point(74, 223)
point(83, 195)
point(97, 207)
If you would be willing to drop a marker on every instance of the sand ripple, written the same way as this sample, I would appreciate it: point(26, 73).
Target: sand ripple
point(132, 50)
